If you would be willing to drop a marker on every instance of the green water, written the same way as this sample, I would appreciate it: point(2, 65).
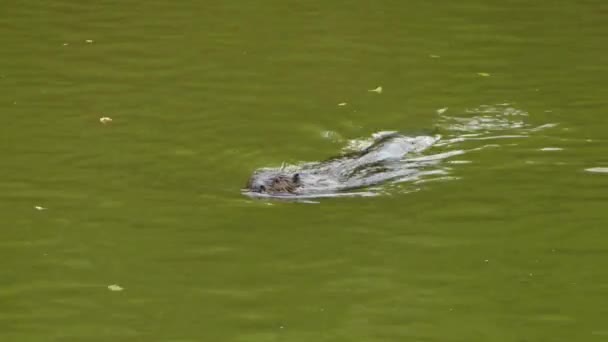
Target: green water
point(511, 247)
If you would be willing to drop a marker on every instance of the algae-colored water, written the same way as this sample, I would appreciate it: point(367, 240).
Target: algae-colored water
point(509, 246)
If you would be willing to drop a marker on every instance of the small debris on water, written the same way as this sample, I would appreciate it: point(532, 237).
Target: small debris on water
point(115, 287)
point(434, 56)
point(486, 260)
point(551, 149)
point(89, 41)
point(442, 110)
point(105, 120)
point(342, 104)
point(597, 169)
point(37, 207)
point(65, 44)
point(376, 90)
point(483, 74)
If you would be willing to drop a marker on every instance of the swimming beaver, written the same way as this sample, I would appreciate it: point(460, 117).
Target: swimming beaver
point(382, 161)
point(391, 157)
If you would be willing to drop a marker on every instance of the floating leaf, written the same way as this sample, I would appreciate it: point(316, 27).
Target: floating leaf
point(40, 208)
point(115, 287)
point(483, 74)
point(342, 104)
point(442, 110)
point(105, 120)
point(376, 90)
point(89, 41)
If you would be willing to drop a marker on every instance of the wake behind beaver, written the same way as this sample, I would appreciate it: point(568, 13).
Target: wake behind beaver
point(390, 157)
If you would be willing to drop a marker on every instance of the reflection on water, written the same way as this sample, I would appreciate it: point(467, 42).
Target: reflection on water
point(597, 169)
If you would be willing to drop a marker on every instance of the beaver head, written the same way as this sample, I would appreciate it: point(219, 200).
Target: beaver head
point(271, 182)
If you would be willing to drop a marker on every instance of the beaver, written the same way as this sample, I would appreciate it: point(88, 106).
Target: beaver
point(274, 183)
point(381, 161)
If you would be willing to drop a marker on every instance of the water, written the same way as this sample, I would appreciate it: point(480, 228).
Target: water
point(509, 248)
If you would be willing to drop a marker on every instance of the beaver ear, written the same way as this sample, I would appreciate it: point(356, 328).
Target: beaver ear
point(296, 178)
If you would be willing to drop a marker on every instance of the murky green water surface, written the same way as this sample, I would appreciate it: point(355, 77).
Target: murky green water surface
point(510, 246)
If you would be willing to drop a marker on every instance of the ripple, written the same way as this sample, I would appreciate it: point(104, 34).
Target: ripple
point(487, 118)
point(459, 162)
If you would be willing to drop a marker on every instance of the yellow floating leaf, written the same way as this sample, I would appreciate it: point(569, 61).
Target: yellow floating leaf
point(376, 90)
point(105, 120)
point(115, 287)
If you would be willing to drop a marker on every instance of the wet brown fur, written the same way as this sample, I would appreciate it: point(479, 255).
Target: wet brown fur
point(282, 184)
point(277, 184)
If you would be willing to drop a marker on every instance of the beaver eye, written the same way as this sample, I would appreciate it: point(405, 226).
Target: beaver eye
point(262, 188)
